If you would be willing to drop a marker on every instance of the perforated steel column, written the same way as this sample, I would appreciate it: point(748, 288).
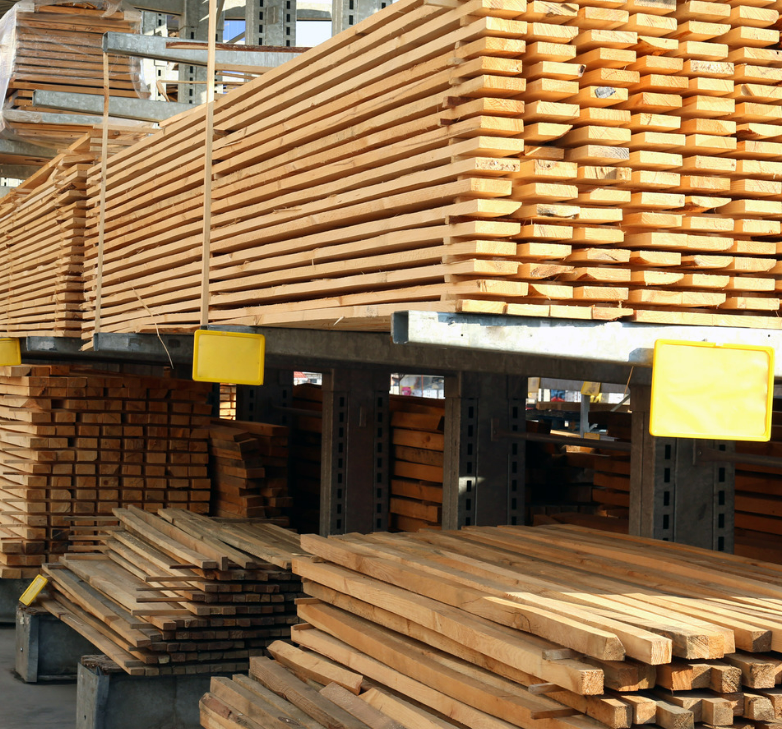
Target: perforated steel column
point(270, 22)
point(263, 404)
point(355, 461)
point(345, 13)
point(672, 495)
point(483, 479)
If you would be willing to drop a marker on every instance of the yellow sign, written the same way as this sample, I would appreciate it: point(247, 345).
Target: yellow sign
point(706, 390)
point(33, 590)
point(233, 357)
point(590, 388)
point(10, 352)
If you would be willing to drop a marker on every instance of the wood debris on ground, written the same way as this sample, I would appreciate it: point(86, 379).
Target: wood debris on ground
point(57, 46)
point(179, 593)
point(75, 443)
point(513, 626)
point(249, 466)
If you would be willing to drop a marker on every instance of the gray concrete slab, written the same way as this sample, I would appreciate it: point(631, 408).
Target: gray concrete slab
point(32, 706)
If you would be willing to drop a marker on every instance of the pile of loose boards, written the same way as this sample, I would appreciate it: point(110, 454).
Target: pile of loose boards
point(179, 593)
point(76, 443)
point(56, 46)
point(249, 468)
point(556, 626)
point(594, 160)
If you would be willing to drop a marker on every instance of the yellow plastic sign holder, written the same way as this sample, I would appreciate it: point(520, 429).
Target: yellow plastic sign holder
point(33, 590)
point(10, 352)
point(712, 391)
point(233, 357)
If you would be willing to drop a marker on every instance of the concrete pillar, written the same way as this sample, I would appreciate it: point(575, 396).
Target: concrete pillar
point(108, 698)
point(484, 479)
point(346, 13)
point(355, 452)
point(270, 23)
point(46, 648)
point(672, 496)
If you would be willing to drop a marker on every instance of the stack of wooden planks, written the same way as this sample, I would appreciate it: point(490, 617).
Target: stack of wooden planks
point(249, 468)
point(301, 688)
point(42, 228)
point(580, 629)
point(57, 47)
point(596, 160)
point(179, 593)
point(417, 426)
point(759, 499)
point(305, 461)
point(75, 443)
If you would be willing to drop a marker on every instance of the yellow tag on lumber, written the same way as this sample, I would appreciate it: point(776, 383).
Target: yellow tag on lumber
point(33, 590)
point(10, 352)
point(233, 357)
point(712, 391)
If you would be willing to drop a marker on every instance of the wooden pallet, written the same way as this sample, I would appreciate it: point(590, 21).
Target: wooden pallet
point(178, 593)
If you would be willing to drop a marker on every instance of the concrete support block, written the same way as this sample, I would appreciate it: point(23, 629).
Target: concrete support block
point(10, 592)
point(46, 648)
point(108, 698)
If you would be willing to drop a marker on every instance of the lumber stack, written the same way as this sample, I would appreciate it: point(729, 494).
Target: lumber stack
point(504, 626)
point(249, 465)
point(301, 688)
point(759, 499)
point(57, 47)
point(417, 426)
point(179, 593)
point(597, 161)
point(76, 443)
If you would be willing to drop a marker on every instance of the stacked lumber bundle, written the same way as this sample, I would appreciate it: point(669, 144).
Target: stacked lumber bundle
point(758, 525)
point(249, 465)
point(592, 160)
point(301, 688)
point(57, 47)
point(503, 626)
point(179, 593)
point(305, 449)
point(417, 426)
point(76, 443)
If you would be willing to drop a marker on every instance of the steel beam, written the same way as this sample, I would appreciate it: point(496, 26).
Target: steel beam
point(17, 172)
point(24, 153)
point(119, 107)
point(622, 343)
point(168, 49)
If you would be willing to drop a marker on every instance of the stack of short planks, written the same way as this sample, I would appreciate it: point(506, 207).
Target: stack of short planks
point(301, 688)
point(249, 466)
point(512, 625)
point(592, 160)
point(179, 593)
point(75, 443)
point(57, 47)
point(417, 426)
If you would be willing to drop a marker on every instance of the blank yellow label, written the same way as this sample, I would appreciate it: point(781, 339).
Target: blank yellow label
point(10, 352)
point(704, 390)
point(33, 590)
point(233, 357)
